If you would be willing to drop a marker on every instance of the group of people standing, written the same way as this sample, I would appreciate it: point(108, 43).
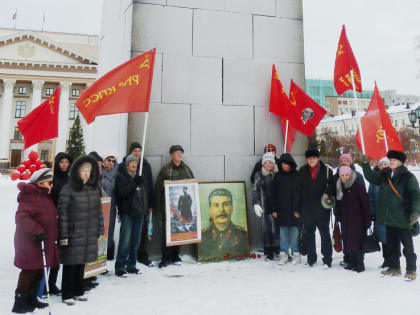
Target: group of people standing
point(62, 211)
point(294, 203)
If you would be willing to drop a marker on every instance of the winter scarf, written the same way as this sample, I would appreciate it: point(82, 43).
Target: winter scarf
point(340, 192)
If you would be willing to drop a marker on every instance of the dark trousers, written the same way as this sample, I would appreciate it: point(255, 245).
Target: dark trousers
point(52, 277)
point(111, 228)
point(395, 237)
point(72, 283)
point(28, 280)
point(142, 255)
point(326, 246)
point(171, 253)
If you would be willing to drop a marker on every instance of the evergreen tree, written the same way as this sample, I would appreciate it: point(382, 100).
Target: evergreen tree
point(313, 143)
point(76, 146)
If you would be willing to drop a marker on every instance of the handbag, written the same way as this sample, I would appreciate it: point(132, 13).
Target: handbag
point(337, 239)
point(139, 202)
point(416, 226)
point(369, 243)
point(302, 245)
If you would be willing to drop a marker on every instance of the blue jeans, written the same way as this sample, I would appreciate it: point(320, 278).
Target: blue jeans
point(130, 237)
point(289, 236)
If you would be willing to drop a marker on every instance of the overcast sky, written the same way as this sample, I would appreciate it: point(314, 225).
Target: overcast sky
point(381, 32)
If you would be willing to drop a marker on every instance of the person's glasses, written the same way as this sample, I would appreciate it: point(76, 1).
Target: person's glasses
point(270, 150)
point(111, 160)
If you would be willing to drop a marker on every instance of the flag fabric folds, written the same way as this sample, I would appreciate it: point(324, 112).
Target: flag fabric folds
point(125, 89)
point(306, 112)
point(375, 124)
point(344, 63)
point(42, 122)
point(280, 106)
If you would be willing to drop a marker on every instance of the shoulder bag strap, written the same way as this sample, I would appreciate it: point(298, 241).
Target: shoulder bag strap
point(394, 189)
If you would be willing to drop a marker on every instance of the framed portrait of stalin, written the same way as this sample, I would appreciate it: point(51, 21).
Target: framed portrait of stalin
point(183, 222)
point(224, 221)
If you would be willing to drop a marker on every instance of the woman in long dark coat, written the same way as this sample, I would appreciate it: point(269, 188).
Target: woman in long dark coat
point(80, 224)
point(36, 221)
point(353, 209)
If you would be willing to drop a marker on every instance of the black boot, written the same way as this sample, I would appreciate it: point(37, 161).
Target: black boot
point(22, 304)
point(360, 265)
point(33, 300)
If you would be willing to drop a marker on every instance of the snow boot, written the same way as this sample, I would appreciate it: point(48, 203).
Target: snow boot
point(284, 258)
point(82, 298)
point(410, 275)
point(22, 303)
point(69, 302)
point(33, 300)
point(296, 258)
point(391, 272)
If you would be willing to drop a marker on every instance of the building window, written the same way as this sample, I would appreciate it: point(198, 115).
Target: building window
point(44, 155)
point(327, 91)
point(339, 101)
point(345, 102)
point(49, 91)
point(403, 123)
point(396, 123)
point(17, 135)
point(20, 109)
point(73, 111)
point(22, 90)
point(75, 92)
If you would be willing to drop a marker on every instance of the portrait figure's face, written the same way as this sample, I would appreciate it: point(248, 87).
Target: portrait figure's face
point(307, 114)
point(221, 210)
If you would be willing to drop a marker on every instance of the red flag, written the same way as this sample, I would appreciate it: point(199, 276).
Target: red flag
point(42, 122)
point(344, 62)
point(279, 102)
point(308, 113)
point(280, 106)
point(125, 89)
point(375, 121)
point(291, 133)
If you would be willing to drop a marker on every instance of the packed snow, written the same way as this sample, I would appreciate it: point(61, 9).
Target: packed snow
point(234, 287)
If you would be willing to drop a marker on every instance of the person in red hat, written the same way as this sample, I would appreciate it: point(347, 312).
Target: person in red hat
point(258, 166)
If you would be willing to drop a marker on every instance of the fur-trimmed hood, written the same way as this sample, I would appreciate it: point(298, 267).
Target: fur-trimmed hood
point(75, 181)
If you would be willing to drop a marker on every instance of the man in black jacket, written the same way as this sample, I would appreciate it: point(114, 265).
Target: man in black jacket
point(132, 218)
point(136, 150)
point(315, 182)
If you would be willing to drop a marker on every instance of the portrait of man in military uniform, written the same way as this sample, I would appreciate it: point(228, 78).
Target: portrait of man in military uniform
point(221, 238)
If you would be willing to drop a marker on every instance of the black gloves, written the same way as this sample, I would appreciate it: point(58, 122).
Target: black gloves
point(138, 180)
point(40, 237)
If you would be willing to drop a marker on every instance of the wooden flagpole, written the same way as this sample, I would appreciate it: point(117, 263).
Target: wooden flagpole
point(362, 140)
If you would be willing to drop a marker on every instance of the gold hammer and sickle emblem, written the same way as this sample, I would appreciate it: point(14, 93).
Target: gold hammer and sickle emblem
point(380, 135)
point(340, 50)
point(145, 63)
point(51, 102)
point(292, 98)
point(276, 76)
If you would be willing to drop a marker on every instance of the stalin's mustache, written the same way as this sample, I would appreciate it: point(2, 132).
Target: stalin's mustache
point(223, 214)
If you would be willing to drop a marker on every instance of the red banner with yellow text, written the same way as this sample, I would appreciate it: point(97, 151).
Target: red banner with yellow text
point(125, 89)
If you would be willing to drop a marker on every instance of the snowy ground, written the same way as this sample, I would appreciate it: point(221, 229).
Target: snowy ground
point(245, 287)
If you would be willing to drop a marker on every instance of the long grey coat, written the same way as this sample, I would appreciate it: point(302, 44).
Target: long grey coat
point(80, 216)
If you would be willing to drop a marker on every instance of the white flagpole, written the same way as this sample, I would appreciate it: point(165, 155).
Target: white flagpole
point(362, 140)
point(143, 144)
point(386, 141)
point(268, 129)
point(285, 136)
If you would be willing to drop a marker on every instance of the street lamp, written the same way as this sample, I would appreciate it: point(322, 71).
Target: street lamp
point(413, 116)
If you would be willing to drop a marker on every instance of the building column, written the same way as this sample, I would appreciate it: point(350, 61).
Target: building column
point(37, 86)
point(63, 117)
point(6, 117)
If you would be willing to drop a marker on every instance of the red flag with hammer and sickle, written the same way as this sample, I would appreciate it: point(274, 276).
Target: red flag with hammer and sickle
point(125, 89)
point(344, 63)
point(375, 124)
point(41, 123)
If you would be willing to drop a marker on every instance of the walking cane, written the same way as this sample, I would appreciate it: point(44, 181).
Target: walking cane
point(46, 277)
